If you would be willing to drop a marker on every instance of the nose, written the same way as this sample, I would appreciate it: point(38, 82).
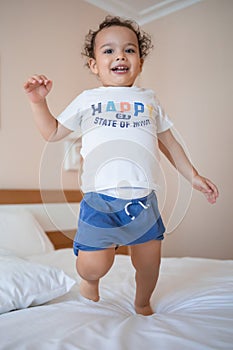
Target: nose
point(120, 56)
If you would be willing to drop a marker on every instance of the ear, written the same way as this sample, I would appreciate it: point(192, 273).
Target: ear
point(93, 66)
point(141, 63)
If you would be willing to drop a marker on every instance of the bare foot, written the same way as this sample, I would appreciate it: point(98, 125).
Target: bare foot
point(89, 290)
point(145, 310)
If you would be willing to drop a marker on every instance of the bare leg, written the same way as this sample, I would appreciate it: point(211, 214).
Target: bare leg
point(91, 266)
point(146, 260)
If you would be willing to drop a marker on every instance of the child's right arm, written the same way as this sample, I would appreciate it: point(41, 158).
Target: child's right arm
point(37, 88)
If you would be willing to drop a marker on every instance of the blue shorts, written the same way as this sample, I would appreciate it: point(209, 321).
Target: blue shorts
point(105, 222)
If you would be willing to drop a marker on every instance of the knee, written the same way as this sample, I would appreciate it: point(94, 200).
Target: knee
point(145, 263)
point(146, 256)
point(93, 267)
point(89, 272)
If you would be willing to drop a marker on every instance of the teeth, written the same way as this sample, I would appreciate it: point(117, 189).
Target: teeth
point(122, 69)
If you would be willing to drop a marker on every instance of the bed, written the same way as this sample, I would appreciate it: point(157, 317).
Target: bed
point(40, 304)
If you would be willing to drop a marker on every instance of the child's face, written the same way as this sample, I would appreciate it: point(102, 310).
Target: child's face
point(117, 59)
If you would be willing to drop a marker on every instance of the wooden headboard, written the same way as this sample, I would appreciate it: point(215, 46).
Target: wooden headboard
point(35, 199)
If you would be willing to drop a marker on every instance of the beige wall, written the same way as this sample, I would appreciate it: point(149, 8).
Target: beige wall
point(43, 36)
point(191, 70)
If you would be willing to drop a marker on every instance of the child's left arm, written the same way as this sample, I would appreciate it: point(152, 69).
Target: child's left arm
point(176, 155)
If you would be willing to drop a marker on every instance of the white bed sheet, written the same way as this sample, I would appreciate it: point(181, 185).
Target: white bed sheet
point(193, 302)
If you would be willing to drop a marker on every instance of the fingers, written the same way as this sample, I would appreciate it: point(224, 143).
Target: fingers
point(211, 198)
point(207, 188)
point(213, 188)
point(212, 193)
point(36, 81)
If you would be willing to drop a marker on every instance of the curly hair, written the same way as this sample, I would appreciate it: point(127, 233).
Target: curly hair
point(144, 39)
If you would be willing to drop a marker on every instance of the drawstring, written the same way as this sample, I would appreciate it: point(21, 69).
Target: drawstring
point(138, 202)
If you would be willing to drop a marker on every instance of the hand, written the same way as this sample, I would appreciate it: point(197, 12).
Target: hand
point(37, 88)
point(206, 187)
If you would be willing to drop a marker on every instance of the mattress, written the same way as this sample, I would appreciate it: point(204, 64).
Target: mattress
point(192, 303)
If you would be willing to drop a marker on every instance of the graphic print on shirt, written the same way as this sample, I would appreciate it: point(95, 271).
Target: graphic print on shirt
point(122, 114)
point(119, 128)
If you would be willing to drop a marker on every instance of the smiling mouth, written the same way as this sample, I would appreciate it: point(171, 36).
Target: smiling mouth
point(120, 69)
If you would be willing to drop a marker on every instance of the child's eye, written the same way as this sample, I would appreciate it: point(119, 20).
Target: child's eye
point(130, 50)
point(108, 51)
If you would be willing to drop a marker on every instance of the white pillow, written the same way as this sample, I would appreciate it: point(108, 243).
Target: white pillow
point(24, 284)
point(21, 233)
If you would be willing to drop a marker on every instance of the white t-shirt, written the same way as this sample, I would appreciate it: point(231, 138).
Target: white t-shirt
point(119, 127)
